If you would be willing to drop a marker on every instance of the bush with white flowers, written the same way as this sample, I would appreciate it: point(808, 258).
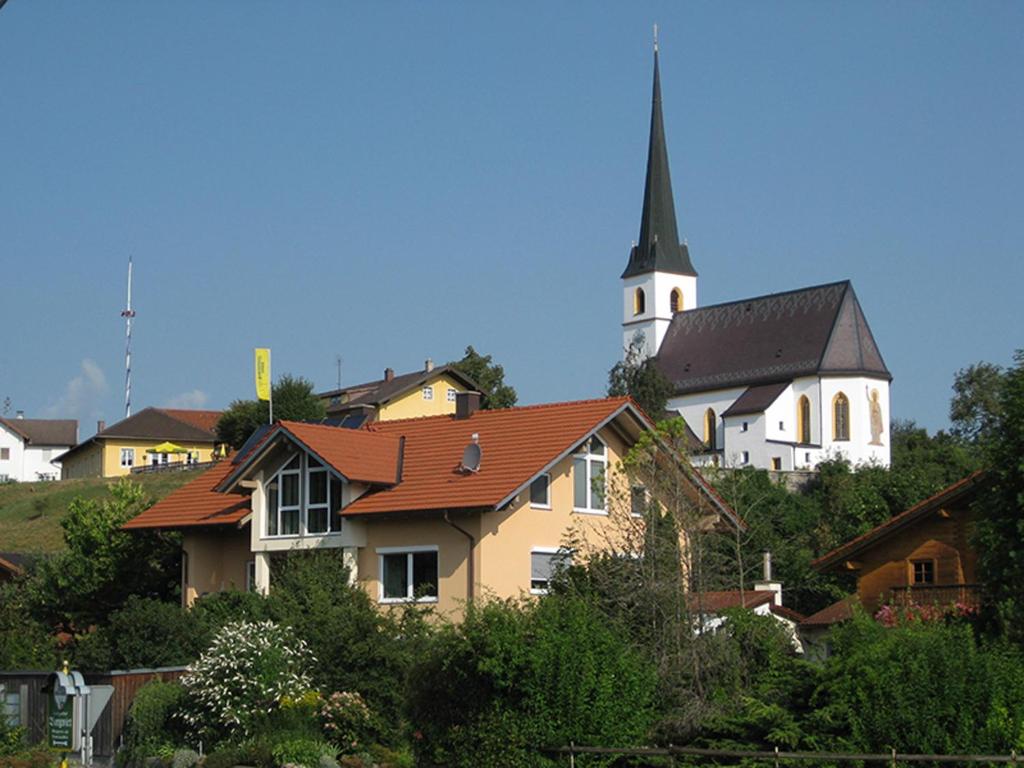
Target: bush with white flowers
point(240, 680)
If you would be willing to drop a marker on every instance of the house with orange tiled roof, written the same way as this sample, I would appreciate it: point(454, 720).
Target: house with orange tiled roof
point(923, 556)
point(440, 509)
point(151, 437)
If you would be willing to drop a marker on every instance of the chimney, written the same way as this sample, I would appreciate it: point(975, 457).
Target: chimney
point(389, 374)
point(766, 584)
point(466, 404)
point(428, 366)
point(100, 426)
point(19, 415)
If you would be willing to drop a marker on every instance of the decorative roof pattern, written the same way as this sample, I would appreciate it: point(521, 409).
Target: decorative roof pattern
point(768, 339)
point(44, 432)
point(196, 504)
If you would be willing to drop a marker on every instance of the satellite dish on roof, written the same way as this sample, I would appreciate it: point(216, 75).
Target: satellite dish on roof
point(471, 456)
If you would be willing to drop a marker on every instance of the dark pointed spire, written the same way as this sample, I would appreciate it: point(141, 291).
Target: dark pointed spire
point(658, 249)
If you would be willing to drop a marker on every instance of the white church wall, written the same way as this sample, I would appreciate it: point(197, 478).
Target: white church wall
point(746, 446)
point(859, 391)
point(693, 407)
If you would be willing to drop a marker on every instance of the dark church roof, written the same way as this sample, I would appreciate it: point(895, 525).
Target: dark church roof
point(770, 339)
point(658, 249)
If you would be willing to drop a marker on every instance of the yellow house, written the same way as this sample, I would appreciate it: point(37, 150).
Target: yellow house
point(430, 391)
point(153, 436)
point(437, 510)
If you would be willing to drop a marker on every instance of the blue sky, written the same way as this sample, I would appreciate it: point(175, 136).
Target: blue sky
point(393, 181)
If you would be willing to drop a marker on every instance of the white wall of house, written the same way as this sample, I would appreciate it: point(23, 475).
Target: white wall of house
point(27, 463)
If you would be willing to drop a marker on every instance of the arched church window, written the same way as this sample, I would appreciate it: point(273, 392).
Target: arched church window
point(803, 420)
point(710, 429)
point(675, 301)
point(840, 417)
point(639, 301)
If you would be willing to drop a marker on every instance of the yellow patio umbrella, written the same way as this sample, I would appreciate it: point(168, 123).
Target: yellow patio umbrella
point(167, 447)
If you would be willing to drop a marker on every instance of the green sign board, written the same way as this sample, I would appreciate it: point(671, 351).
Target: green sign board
point(60, 720)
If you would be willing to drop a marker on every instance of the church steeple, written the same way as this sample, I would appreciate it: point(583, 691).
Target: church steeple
point(658, 249)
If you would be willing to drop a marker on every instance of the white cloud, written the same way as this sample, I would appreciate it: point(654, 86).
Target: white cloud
point(194, 399)
point(81, 397)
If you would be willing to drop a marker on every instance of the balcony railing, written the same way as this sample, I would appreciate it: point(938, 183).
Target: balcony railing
point(936, 594)
point(172, 466)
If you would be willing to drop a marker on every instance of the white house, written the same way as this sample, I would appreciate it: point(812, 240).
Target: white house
point(777, 382)
point(28, 447)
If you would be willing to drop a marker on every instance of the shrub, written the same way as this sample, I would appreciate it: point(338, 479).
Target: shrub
point(12, 738)
point(184, 758)
point(370, 652)
point(152, 726)
point(348, 722)
point(513, 677)
point(303, 752)
point(37, 757)
point(240, 679)
point(223, 757)
point(921, 687)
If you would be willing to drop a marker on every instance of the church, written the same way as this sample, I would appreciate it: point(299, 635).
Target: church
point(778, 382)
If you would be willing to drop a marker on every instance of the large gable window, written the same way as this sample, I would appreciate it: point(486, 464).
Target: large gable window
point(588, 475)
point(303, 498)
point(840, 417)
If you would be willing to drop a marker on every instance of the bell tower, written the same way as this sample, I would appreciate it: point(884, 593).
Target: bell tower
point(659, 281)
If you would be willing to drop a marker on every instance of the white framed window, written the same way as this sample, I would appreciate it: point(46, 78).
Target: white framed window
point(745, 457)
point(452, 395)
point(127, 457)
point(5, 454)
point(545, 562)
point(540, 492)
point(303, 498)
point(428, 392)
point(588, 477)
point(408, 574)
point(744, 427)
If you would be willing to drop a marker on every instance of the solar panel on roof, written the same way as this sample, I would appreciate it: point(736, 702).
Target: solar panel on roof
point(354, 420)
point(254, 438)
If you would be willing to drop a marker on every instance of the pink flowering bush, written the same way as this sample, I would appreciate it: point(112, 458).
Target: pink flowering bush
point(893, 616)
point(347, 721)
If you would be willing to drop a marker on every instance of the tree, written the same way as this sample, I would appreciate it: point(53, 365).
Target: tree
point(489, 376)
point(639, 377)
point(1000, 533)
point(974, 409)
point(294, 400)
point(102, 564)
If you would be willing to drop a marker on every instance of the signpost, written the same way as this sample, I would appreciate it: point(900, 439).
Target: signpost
point(72, 710)
point(60, 721)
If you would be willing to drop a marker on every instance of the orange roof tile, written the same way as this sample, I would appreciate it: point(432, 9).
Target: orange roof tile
point(840, 610)
point(516, 444)
point(206, 420)
point(359, 455)
point(945, 496)
point(196, 503)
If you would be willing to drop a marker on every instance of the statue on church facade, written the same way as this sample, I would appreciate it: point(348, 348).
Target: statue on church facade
point(875, 409)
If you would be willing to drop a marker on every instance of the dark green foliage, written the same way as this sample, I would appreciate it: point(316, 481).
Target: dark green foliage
point(639, 377)
point(153, 724)
point(489, 376)
point(294, 400)
point(103, 565)
point(25, 642)
point(515, 676)
point(975, 409)
point(919, 687)
point(1000, 533)
point(762, 688)
point(147, 633)
point(360, 649)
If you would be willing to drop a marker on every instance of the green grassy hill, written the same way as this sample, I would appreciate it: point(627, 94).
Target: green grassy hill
point(30, 513)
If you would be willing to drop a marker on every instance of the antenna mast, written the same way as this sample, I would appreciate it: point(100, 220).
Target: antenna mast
point(128, 314)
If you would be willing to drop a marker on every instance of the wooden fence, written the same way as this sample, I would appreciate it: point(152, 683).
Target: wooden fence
point(778, 757)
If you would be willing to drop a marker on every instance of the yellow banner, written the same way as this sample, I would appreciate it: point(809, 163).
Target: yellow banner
point(262, 374)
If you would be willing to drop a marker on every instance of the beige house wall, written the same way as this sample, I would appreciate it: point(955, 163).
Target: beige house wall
point(216, 560)
point(86, 462)
point(412, 404)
